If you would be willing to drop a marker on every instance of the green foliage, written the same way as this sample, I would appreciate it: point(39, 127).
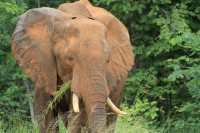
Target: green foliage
point(141, 110)
point(20, 126)
point(165, 35)
point(45, 3)
point(122, 125)
point(164, 88)
point(13, 100)
point(58, 95)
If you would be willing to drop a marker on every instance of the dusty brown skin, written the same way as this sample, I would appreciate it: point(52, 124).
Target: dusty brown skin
point(75, 42)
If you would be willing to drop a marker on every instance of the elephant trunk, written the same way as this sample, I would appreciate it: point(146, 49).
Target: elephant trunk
point(96, 112)
point(95, 103)
point(93, 90)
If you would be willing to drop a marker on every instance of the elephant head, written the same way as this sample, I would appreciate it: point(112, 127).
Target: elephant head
point(92, 51)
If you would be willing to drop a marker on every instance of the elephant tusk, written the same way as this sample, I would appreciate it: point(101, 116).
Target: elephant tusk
point(114, 108)
point(75, 103)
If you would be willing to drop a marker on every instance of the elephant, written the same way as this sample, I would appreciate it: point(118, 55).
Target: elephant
point(77, 42)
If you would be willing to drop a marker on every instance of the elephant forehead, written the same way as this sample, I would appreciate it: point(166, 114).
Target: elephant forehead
point(90, 49)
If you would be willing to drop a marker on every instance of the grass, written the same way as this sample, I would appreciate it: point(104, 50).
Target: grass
point(20, 126)
point(121, 127)
point(27, 127)
point(125, 124)
point(58, 95)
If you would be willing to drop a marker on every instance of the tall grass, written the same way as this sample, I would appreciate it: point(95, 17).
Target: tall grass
point(122, 126)
point(27, 127)
point(20, 126)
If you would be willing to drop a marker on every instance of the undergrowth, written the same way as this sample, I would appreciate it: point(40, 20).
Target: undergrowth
point(122, 125)
point(134, 122)
point(28, 127)
point(57, 97)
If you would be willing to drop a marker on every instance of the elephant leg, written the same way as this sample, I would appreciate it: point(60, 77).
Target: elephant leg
point(77, 121)
point(47, 121)
point(112, 117)
point(115, 97)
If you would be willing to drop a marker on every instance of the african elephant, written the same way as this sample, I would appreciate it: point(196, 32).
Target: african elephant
point(77, 42)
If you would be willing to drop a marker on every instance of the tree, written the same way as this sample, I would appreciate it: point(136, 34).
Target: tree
point(13, 101)
point(165, 35)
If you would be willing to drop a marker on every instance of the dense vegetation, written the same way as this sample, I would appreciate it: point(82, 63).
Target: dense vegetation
point(163, 89)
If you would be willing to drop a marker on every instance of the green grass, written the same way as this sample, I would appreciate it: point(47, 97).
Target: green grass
point(58, 95)
point(24, 127)
point(122, 125)
point(18, 127)
point(27, 127)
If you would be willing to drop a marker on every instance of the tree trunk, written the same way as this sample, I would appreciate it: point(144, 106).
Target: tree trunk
point(30, 102)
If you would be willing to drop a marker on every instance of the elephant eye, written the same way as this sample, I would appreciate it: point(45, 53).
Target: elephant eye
point(73, 17)
point(91, 18)
point(69, 59)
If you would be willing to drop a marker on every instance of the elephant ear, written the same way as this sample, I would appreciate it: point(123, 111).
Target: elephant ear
point(121, 55)
point(32, 46)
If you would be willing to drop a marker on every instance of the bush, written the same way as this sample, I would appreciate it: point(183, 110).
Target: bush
point(166, 39)
point(13, 100)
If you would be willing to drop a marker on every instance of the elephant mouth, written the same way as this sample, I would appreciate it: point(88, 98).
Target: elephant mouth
point(75, 105)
